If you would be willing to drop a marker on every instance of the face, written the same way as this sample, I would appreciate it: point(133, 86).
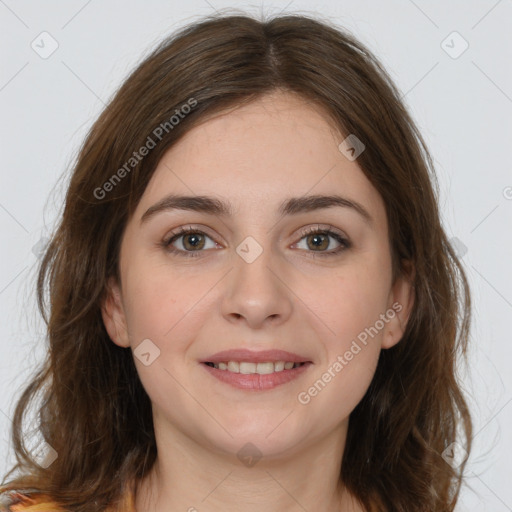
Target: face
point(312, 278)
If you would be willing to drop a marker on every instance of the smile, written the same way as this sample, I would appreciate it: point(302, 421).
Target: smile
point(256, 376)
point(260, 368)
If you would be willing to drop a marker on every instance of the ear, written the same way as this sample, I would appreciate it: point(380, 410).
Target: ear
point(401, 300)
point(113, 314)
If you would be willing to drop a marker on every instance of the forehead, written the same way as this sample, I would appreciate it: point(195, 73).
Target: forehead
point(259, 154)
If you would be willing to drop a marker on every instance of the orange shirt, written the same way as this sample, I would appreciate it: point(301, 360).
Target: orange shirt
point(33, 500)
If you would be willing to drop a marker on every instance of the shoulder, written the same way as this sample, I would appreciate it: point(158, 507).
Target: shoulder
point(26, 500)
point(36, 500)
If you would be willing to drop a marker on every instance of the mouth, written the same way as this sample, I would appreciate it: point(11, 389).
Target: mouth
point(249, 368)
point(257, 371)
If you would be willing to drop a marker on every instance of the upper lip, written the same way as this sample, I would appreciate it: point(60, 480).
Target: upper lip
point(250, 356)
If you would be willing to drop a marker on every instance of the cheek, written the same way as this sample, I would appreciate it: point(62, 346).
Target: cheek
point(349, 304)
point(160, 309)
point(341, 386)
point(158, 298)
point(352, 347)
point(168, 308)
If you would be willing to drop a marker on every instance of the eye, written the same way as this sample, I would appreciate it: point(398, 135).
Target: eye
point(193, 241)
point(317, 239)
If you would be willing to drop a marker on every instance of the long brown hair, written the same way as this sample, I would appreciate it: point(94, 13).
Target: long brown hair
point(95, 412)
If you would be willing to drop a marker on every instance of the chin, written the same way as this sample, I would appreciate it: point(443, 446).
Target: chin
point(256, 441)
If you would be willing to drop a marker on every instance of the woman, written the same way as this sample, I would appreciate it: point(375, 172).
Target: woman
point(254, 215)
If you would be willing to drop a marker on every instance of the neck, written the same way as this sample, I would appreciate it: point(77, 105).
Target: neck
point(191, 477)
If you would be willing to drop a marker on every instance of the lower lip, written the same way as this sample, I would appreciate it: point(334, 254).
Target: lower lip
point(255, 381)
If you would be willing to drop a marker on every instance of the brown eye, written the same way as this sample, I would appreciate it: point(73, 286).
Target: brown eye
point(318, 241)
point(193, 241)
point(188, 242)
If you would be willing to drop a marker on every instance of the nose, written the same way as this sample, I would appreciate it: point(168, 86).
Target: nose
point(258, 292)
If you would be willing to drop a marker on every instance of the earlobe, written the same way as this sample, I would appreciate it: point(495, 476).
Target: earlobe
point(113, 315)
point(401, 301)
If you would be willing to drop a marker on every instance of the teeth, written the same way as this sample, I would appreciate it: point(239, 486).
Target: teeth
point(260, 368)
point(233, 366)
point(248, 367)
point(279, 366)
point(265, 368)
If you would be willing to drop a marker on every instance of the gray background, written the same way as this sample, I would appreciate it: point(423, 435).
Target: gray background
point(462, 104)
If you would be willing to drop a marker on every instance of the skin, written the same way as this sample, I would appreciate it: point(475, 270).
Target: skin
point(255, 157)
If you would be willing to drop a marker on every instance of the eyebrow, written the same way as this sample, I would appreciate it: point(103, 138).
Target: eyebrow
point(291, 206)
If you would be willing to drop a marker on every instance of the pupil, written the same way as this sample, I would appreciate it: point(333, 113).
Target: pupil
point(196, 240)
point(318, 240)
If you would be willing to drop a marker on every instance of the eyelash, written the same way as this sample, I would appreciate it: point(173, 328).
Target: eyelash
point(167, 244)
